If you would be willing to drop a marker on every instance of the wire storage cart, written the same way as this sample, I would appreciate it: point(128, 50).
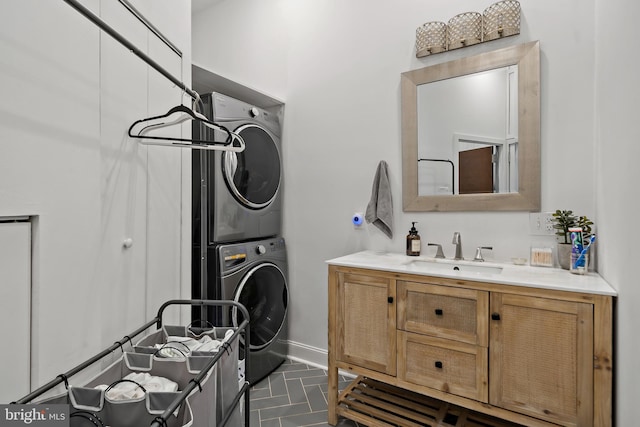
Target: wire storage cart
point(177, 376)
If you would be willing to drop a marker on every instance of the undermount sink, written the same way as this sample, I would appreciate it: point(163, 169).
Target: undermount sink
point(448, 265)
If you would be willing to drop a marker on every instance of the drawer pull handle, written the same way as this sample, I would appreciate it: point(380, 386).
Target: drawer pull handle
point(439, 312)
point(439, 365)
point(495, 316)
point(390, 300)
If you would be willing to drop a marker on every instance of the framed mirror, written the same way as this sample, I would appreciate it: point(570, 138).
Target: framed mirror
point(471, 133)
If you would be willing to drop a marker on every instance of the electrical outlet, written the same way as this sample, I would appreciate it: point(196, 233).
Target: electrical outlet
point(541, 224)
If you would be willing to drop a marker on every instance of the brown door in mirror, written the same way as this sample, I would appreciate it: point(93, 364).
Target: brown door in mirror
point(475, 171)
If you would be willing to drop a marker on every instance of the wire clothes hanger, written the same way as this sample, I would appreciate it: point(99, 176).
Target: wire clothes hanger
point(140, 129)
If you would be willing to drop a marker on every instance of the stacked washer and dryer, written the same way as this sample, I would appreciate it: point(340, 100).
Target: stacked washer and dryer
point(237, 199)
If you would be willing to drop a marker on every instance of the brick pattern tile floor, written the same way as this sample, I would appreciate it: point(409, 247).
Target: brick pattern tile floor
point(294, 395)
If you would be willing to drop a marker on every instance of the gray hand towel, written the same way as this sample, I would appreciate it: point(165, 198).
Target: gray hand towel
point(380, 207)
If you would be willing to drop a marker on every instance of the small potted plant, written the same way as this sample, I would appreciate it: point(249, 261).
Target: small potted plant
point(563, 220)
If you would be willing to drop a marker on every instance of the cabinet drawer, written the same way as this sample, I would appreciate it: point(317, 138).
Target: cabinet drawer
point(450, 366)
point(442, 311)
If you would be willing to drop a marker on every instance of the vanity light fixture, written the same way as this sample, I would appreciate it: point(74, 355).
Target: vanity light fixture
point(464, 29)
point(501, 19)
point(431, 38)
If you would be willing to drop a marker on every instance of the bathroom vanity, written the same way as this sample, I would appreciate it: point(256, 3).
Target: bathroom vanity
point(518, 344)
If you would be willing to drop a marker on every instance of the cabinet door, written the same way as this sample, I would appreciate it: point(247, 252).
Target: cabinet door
point(367, 322)
point(541, 358)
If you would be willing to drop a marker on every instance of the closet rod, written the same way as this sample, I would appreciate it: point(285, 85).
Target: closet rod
point(151, 27)
point(126, 43)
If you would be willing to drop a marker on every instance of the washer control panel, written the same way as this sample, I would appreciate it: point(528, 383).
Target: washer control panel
point(232, 257)
point(227, 109)
point(236, 255)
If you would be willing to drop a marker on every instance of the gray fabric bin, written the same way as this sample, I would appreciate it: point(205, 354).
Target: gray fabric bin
point(225, 371)
point(125, 413)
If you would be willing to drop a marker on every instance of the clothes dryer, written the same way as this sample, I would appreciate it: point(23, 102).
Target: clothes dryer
point(255, 274)
point(243, 189)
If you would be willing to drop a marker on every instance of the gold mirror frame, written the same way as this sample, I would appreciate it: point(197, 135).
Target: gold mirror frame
point(527, 57)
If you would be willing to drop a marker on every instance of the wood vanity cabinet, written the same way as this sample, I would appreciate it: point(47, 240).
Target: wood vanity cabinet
point(536, 357)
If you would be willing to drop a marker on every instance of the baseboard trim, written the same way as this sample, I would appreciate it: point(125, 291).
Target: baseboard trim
point(313, 356)
point(310, 355)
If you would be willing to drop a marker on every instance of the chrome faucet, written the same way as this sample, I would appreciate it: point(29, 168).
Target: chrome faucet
point(439, 253)
point(479, 256)
point(457, 240)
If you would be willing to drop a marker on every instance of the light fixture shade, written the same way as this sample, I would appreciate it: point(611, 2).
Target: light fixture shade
point(464, 29)
point(431, 37)
point(502, 19)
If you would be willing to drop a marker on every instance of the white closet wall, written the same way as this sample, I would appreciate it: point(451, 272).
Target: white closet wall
point(15, 289)
point(70, 92)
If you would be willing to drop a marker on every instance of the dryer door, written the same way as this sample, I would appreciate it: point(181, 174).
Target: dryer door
point(263, 291)
point(253, 175)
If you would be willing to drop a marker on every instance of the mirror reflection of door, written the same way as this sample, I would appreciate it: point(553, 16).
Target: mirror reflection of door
point(452, 114)
point(475, 171)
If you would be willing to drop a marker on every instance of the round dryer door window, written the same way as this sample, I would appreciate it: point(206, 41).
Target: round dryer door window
point(263, 291)
point(253, 175)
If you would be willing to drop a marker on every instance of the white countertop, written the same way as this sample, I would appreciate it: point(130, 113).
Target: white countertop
point(511, 274)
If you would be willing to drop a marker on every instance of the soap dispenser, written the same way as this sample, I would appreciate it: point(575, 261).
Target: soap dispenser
point(413, 241)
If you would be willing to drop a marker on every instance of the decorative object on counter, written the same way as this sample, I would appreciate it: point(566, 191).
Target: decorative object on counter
point(563, 220)
point(578, 264)
point(380, 207)
point(413, 241)
point(431, 38)
point(464, 29)
point(501, 19)
point(580, 260)
point(576, 240)
point(542, 257)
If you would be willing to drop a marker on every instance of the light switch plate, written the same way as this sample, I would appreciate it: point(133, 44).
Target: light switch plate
point(541, 224)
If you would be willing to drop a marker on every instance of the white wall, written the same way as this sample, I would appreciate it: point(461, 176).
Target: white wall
point(342, 116)
point(69, 94)
point(617, 154)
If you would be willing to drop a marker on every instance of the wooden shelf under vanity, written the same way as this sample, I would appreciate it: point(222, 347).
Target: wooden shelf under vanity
point(374, 403)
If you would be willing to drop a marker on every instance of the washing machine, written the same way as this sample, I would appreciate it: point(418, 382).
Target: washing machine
point(243, 190)
point(255, 274)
